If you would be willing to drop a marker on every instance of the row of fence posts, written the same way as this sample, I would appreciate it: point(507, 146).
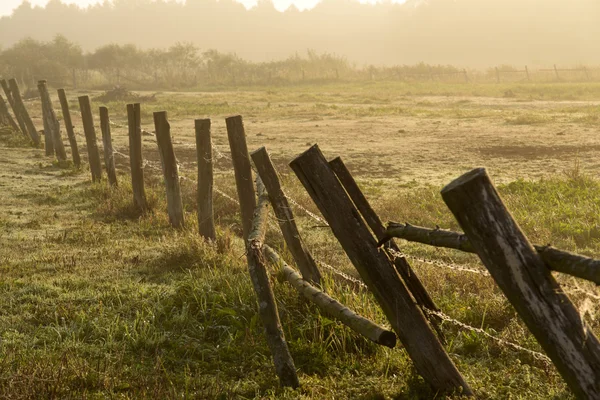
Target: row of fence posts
point(511, 260)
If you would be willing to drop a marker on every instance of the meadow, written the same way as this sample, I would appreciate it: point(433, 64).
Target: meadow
point(100, 301)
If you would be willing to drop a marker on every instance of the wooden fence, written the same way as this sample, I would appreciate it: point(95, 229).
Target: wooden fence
point(521, 270)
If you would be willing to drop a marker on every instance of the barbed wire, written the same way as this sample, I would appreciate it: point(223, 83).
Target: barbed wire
point(503, 342)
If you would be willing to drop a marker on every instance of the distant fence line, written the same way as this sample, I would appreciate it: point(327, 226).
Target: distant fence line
point(516, 266)
point(89, 78)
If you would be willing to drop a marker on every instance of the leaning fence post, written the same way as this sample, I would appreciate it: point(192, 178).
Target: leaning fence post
point(242, 169)
point(16, 94)
point(170, 169)
point(267, 307)
point(64, 105)
point(136, 161)
point(429, 357)
point(527, 283)
point(5, 114)
point(15, 108)
point(48, 124)
point(51, 123)
point(204, 194)
point(285, 217)
point(109, 156)
point(411, 280)
point(90, 138)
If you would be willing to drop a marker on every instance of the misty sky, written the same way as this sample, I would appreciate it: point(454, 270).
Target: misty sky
point(7, 6)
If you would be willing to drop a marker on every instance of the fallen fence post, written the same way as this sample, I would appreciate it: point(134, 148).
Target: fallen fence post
point(334, 308)
point(557, 260)
point(285, 217)
point(136, 161)
point(429, 357)
point(64, 105)
point(51, 122)
point(204, 194)
point(170, 169)
point(6, 117)
point(243, 170)
point(90, 138)
point(521, 274)
point(20, 106)
point(267, 307)
point(109, 156)
point(411, 280)
point(15, 108)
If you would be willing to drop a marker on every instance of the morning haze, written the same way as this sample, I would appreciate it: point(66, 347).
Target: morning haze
point(471, 33)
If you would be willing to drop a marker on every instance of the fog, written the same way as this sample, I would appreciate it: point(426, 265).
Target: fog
point(474, 33)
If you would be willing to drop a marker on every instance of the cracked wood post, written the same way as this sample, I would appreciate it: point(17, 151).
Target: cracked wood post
point(51, 120)
point(332, 307)
point(243, 171)
point(15, 108)
point(204, 194)
point(527, 283)
point(109, 156)
point(285, 217)
point(48, 122)
point(90, 138)
point(20, 105)
point(136, 161)
point(64, 105)
point(412, 281)
point(406, 318)
point(267, 307)
point(5, 114)
point(557, 260)
point(170, 169)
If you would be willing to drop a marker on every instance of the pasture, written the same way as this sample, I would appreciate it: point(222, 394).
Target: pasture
point(99, 301)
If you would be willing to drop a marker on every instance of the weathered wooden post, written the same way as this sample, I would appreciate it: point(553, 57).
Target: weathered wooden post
point(51, 124)
point(170, 169)
point(556, 72)
point(285, 217)
point(90, 138)
point(48, 124)
point(18, 100)
point(11, 101)
point(6, 117)
point(412, 281)
point(527, 283)
point(243, 170)
point(527, 73)
point(204, 194)
point(267, 307)
point(378, 273)
point(109, 156)
point(64, 105)
point(136, 161)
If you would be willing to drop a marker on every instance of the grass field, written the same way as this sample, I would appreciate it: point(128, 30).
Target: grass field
point(98, 301)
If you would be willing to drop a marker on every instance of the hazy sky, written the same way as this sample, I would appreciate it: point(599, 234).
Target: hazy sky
point(7, 6)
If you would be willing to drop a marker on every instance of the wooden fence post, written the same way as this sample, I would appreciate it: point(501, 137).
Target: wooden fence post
point(527, 283)
point(243, 170)
point(16, 95)
point(109, 156)
point(51, 122)
point(90, 138)
point(204, 194)
point(556, 72)
point(170, 169)
point(412, 281)
point(64, 105)
point(267, 307)
point(376, 270)
point(48, 125)
point(6, 117)
point(527, 73)
point(136, 161)
point(14, 107)
point(497, 75)
point(285, 217)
